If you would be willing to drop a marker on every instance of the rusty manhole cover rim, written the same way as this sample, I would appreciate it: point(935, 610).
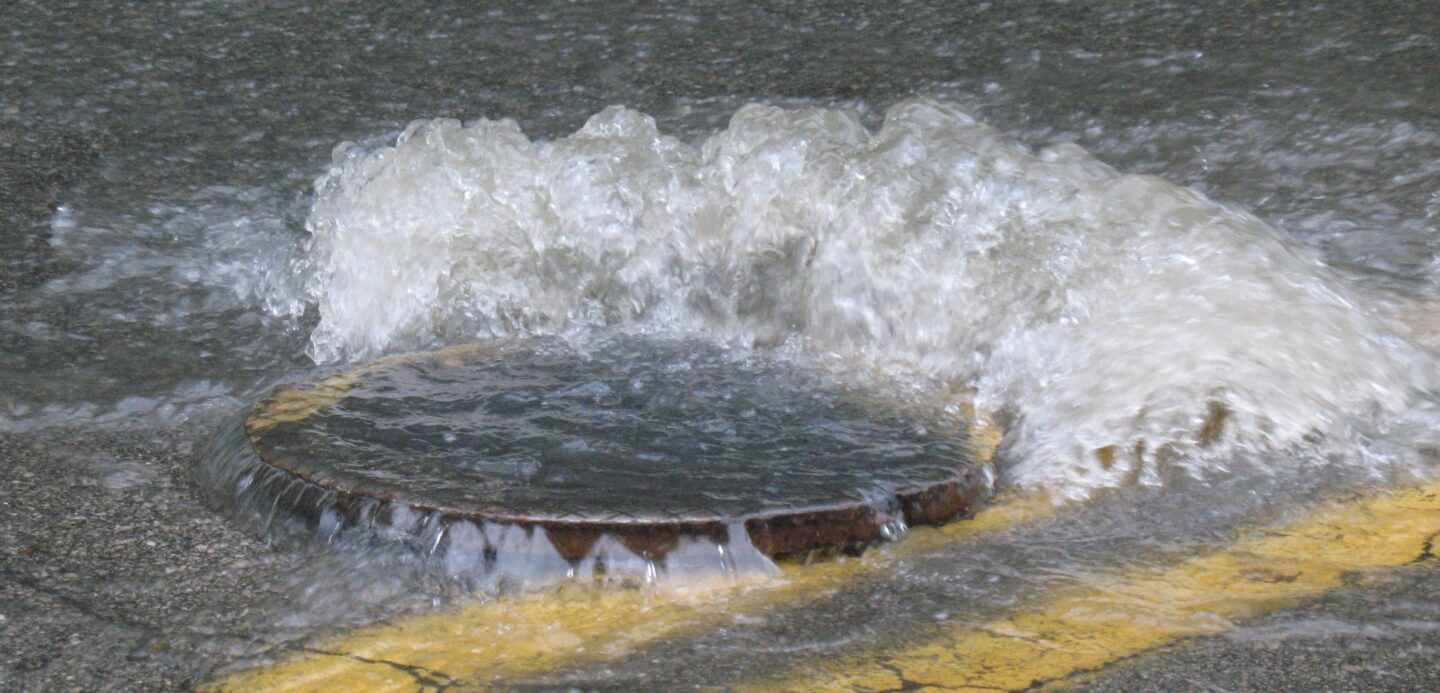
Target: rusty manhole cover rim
point(845, 525)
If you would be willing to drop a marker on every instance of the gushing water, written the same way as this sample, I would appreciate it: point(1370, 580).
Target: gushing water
point(154, 175)
point(1122, 325)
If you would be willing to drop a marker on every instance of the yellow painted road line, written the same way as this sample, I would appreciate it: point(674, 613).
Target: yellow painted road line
point(291, 403)
point(1093, 626)
point(530, 634)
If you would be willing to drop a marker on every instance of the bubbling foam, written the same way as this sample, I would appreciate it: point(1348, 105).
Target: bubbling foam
point(1123, 324)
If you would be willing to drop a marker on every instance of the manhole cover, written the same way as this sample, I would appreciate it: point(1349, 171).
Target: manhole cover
point(650, 442)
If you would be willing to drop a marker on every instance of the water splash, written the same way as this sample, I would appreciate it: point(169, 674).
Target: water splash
point(1125, 326)
point(159, 321)
point(474, 556)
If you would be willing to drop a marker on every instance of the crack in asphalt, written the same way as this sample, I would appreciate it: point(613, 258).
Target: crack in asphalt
point(74, 602)
point(1427, 552)
point(425, 679)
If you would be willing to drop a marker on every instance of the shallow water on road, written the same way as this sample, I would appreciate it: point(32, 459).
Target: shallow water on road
point(1187, 256)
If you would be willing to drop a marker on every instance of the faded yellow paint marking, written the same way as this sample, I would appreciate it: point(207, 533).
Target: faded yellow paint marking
point(1096, 625)
point(479, 641)
point(354, 675)
point(529, 634)
point(291, 403)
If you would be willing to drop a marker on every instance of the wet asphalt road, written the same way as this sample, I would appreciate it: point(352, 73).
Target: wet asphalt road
point(116, 578)
point(113, 574)
point(1332, 644)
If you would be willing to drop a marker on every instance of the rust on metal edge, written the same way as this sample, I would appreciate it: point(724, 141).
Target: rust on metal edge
point(848, 527)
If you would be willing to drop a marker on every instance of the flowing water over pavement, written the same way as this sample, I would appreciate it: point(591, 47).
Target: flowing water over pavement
point(1188, 255)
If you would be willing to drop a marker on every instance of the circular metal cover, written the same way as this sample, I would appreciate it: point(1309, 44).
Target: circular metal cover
point(648, 440)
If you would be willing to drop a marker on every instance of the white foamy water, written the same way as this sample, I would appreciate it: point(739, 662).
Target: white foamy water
point(1123, 325)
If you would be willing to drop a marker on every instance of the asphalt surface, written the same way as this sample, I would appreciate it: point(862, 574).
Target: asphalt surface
point(115, 576)
point(1381, 635)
